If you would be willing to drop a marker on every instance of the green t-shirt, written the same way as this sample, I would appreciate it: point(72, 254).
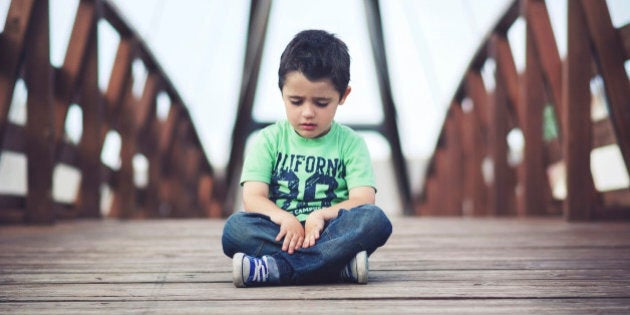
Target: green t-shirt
point(308, 174)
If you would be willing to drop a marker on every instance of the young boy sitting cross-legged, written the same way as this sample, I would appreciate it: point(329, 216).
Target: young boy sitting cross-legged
point(308, 184)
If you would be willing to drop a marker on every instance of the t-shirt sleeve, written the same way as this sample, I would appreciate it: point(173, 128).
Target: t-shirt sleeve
point(259, 159)
point(359, 170)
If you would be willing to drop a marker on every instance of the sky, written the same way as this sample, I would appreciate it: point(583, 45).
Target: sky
point(200, 45)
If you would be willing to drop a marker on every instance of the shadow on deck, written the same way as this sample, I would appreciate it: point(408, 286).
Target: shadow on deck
point(430, 265)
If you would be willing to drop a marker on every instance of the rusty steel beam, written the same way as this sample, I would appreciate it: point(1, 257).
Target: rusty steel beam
point(25, 52)
point(12, 41)
point(539, 30)
point(39, 129)
point(245, 124)
point(120, 75)
point(501, 191)
point(530, 105)
point(389, 126)
point(610, 55)
point(473, 146)
point(578, 205)
point(70, 75)
point(90, 146)
point(454, 189)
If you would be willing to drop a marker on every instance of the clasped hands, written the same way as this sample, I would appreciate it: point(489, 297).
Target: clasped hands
point(295, 236)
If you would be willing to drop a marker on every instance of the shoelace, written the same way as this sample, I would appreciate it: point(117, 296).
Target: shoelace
point(261, 272)
point(346, 272)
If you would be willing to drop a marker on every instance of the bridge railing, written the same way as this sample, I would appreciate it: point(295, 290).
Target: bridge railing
point(548, 105)
point(160, 168)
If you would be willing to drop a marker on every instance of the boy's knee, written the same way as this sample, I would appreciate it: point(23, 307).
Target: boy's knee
point(246, 231)
point(373, 212)
point(375, 219)
point(233, 234)
point(238, 220)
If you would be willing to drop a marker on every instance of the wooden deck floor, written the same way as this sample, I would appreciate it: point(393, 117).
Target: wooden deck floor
point(430, 265)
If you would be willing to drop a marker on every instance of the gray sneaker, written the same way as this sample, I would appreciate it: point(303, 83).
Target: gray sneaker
point(356, 270)
point(251, 271)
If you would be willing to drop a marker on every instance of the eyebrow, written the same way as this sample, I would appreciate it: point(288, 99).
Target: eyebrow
point(317, 98)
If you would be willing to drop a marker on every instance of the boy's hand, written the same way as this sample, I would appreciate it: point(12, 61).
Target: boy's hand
point(292, 232)
point(313, 227)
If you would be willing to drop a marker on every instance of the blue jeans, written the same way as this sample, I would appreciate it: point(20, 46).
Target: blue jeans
point(364, 228)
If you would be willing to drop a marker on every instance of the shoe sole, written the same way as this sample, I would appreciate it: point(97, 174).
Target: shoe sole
point(237, 270)
point(362, 267)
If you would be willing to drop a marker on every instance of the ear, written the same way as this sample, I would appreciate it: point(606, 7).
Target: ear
point(345, 95)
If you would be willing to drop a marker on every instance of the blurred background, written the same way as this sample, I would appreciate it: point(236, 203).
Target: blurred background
point(428, 45)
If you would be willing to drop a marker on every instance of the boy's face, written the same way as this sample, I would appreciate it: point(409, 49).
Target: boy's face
point(310, 105)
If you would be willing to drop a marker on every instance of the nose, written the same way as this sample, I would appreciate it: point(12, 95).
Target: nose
point(308, 111)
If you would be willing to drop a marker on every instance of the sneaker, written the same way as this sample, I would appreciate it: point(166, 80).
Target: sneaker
point(356, 270)
point(252, 271)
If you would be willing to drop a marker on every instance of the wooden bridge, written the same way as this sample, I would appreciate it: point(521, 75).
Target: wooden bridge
point(486, 234)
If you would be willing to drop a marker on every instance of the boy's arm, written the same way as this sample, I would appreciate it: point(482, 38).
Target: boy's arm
point(316, 220)
point(356, 196)
point(256, 199)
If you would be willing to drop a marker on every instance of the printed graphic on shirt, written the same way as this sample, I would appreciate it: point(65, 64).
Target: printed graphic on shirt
point(305, 183)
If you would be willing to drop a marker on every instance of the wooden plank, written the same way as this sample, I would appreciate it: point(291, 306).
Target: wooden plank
point(120, 77)
point(575, 117)
point(146, 104)
point(530, 107)
point(477, 92)
point(151, 139)
point(14, 138)
point(167, 131)
point(12, 41)
point(454, 161)
point(124, 204)
point(500, 190)
point(624, 33)
point(506, 72)
point(617, 198)
point(12, 210)
point(165, 139)
point(426, 201)
point(610, 56)
point(71, 73)
point(136, 132)
point(589, 258)
point(441, 179)
point(603, 133)
point(91, 143)
point(539, 30)
point(204, 196)
point(40, 126)
point(380, 275)
point(474, 187)
point(66, 153)
point(164, 148)
point(440, 265)
point(541, 42)
point(181, 171)
point(526, 289)
point(362, 306)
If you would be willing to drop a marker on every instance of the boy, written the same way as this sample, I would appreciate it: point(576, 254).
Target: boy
point(308, 185)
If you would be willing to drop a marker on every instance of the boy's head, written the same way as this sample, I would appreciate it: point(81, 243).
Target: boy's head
point(317, 55)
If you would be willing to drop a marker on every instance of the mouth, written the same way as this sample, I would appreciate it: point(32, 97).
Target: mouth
point(308, 126)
